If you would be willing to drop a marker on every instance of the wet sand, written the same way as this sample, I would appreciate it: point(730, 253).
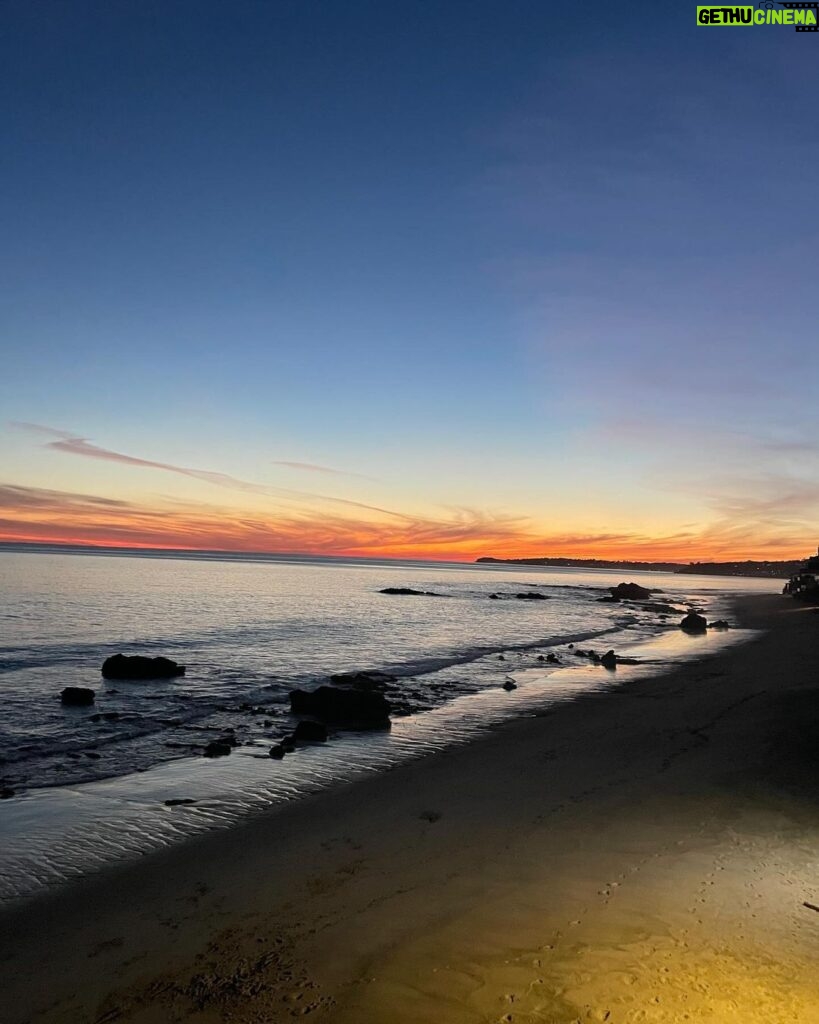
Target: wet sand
point(641, 854)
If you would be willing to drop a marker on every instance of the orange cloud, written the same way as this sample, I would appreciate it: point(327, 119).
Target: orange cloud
point(41, 515)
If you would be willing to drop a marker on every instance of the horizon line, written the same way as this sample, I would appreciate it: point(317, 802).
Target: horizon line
point(159, 550)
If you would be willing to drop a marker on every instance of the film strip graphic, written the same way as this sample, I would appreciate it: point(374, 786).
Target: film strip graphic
point(812, 4)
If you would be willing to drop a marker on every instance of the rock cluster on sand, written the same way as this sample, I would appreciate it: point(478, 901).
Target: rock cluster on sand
point(77, 696)
point(121, 666)
point(694, 623)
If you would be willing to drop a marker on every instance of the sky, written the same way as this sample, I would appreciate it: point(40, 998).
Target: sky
point(436, 280)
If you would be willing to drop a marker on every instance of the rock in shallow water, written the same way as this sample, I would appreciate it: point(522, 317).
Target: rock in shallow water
point(609, 660)
point(363, 680)
point(122, 666)
point(349, 709)
point(694, 623)
point(217, 748)
point(77, 696)
point(311, 732)
point(630, 592)
point(407, 591)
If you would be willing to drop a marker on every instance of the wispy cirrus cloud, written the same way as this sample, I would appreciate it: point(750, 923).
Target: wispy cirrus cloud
point(74, 444)
point(66, 441)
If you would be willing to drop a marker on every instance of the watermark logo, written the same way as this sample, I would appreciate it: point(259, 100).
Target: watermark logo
point(804, 17)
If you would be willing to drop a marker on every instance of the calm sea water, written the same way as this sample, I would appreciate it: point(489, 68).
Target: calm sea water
point(249, 630)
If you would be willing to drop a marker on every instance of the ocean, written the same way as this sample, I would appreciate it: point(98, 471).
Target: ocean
point(86, 786)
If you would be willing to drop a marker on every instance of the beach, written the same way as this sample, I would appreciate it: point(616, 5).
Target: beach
point(639, 854)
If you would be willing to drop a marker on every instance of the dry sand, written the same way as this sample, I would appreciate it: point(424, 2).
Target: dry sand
point(637, 855)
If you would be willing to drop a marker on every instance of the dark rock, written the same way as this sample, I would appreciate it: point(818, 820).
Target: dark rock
point(277, 752)
point(540, 657)
point(349, 708)
point(408, 591)
point(288, 744)
point(494, 597)
point(6, 793)
point(501, 658)
point(719, 624)
point(609, 660)
point(509, 685)
point(121, 666)
point(570, 646)
point(310, 732)
point(532, 595)
point(369, 681)
point(217, 748)
point(94, 756)
point(630, 592)
point(553, 659)
point(184, 802)
point(694, 623)
point(77, 696)
point(611, 599)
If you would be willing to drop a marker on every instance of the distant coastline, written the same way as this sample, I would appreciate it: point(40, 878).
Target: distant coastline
point(765, 569)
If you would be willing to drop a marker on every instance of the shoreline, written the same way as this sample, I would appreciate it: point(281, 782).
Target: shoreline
point(108, 820)
point(429, 891)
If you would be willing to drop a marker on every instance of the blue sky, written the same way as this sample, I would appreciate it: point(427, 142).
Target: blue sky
point(520, 264)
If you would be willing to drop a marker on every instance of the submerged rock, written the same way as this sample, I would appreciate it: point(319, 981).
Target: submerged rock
point(77, 696)
point(609, 660)
point(719, 624)
point(532, 595)
point(179, 802)
point(348, 708)
point(276, 752)
point(311, 732)
point(122, 666)
point(630, 592)
point(509, 685)
point(694, 623)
